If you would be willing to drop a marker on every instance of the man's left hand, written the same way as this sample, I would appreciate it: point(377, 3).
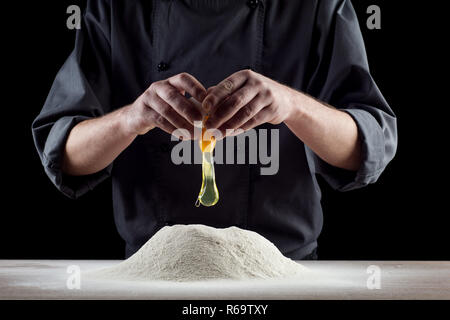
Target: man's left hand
point(246, 100)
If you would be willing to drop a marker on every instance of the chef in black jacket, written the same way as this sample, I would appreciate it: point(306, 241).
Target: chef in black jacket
point(296, 66)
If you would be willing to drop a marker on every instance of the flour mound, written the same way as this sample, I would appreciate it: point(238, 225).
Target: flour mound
point(198, 252)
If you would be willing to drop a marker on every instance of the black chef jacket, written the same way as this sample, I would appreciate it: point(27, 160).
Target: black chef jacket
point(314, 46)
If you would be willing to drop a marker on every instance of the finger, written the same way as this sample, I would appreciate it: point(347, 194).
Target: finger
point(225, 88)
point(159, 121)
point(261, 117)
point(198, 105)
point(164, 109)
point(208, 91)
point(177, 101)
point(244, 114)
point(230, 106)
point(185, 82)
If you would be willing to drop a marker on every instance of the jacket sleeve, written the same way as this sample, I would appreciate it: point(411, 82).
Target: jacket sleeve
point(80, 91)
point(340, 77)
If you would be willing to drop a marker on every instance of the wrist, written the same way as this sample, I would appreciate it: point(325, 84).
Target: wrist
point(297, 107)
point(127, 121)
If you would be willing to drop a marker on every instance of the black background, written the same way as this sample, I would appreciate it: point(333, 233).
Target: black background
point(402, 217)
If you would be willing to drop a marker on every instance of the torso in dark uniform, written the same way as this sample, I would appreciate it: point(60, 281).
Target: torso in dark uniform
point(303, 44)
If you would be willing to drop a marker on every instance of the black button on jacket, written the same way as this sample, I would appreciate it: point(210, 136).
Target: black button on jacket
point(314, 46)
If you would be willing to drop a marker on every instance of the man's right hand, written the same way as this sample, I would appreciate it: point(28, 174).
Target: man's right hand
point(164, 105)
point(93, 144)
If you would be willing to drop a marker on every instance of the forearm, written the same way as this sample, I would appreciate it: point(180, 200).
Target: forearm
point(93, 144)
point(332, 134)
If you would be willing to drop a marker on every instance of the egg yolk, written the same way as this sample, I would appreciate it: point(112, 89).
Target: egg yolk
point(207, 144)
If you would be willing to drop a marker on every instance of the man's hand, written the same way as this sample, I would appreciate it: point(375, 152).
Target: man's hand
point(245, 100)
point(164, 105)
point(93, 144)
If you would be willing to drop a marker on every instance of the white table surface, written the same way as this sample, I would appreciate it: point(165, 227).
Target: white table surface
point(46, 279)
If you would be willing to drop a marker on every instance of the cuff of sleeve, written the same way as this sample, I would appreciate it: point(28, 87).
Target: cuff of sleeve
point(71, 186)
point(372, 148)
point(372, 142)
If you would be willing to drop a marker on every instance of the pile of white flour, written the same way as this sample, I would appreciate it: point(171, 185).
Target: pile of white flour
point(198, 252)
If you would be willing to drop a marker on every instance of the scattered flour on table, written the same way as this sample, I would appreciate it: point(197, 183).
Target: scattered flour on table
point(198, 252)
